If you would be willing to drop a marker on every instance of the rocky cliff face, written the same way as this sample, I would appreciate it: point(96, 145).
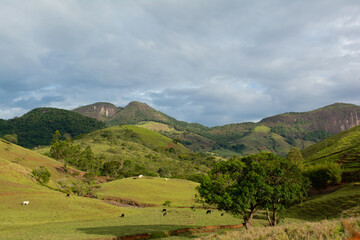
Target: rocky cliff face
point(100, 111)
point(334, 118)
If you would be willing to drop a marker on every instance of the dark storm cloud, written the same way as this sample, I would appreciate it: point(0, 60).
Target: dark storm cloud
point(212, 62)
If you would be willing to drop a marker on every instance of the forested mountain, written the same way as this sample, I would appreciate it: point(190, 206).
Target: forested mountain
point(38, 126)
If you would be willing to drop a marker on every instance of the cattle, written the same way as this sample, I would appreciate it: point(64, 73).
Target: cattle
point(164, 210)
point(25, 202)
point(68, 195)
point(122, 215)
point(164, 213)
point(222, 214)
point(208, 212)
point(140, 176)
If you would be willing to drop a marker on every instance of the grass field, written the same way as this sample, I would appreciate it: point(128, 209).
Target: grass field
point(52, 215)
point(151, 190)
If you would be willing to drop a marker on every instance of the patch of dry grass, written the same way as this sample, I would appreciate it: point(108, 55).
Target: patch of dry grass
point(296, 231)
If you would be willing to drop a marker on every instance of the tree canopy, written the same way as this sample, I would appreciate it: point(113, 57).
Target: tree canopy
point(244, 186)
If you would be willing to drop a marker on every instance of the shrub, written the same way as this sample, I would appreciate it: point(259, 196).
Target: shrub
point(42, 175)
point(167, 203)
point(324, 174)
point(13, 138)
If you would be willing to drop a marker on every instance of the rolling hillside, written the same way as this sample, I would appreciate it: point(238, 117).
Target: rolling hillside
point(123, 151)
point(52, 215)
point(343, 148)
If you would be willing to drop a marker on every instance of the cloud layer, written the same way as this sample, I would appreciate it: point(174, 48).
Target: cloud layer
point(208, 61)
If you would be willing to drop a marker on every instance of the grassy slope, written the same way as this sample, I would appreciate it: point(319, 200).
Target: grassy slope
point(191, 140)
point(343, 148)
point(151, 190)
point(329, 205)
point(51, 215)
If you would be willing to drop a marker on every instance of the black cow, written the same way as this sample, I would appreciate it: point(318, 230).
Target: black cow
point(122, 215)
point(164, 213)
point(208, 212)
point(68, 195)
point(222, 214)
point(164, 210)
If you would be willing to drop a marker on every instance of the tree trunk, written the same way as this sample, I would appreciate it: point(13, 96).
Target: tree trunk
point(272, 218)
point(247, 220)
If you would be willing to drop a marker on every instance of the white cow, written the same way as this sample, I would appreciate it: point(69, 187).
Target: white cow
point(25, 202)
point(140, 176)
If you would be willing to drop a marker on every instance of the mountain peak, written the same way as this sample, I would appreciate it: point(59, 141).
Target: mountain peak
point(139, 105)
point(99, 110)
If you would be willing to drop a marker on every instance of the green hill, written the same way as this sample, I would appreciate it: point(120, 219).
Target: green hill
point(38, 126)
point(123, 151)
point(52, 215)
point(343, 148)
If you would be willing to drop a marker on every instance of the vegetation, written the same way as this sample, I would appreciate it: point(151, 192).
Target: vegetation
point(247, 185)
point(11, 138)
point(41, 175)
point(295, 157)
point(323, 174)
point(125, 151)
point(342, 148)
point(36, 127)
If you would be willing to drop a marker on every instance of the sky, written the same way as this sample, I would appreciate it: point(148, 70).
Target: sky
point(212, 62)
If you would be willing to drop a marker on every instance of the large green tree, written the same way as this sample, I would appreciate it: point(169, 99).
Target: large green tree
point(244, 186)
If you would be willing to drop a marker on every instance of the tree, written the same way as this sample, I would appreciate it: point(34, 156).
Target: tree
point(295, 157)
point(244, 186)
point(288, 184)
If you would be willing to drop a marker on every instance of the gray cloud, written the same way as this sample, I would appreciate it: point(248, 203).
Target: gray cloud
point(212, 62)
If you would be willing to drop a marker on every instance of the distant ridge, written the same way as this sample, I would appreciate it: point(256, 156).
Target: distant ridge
point(333, 118)
point(283, 131)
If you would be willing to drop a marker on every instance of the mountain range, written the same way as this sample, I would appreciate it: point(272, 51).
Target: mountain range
point(276, 133)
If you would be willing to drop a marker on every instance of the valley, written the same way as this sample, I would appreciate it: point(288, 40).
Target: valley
point(135, 162)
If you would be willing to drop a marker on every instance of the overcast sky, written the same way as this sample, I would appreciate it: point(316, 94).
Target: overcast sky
point(208, 61)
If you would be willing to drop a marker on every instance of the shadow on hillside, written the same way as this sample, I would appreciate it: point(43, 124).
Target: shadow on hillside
point(131, 229)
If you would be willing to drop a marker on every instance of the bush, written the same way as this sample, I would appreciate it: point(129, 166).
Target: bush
point(42, 175)
point(323, 175)
point(13, 138)
point(167, 203)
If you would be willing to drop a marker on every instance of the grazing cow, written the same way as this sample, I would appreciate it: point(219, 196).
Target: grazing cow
point(122, 215)
point(208, 212)
point(164, 213)
point(25, 202)
point(164, 210)
point(68, 195)
point(222, 214)
point(134, 178)
point(141, 176)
